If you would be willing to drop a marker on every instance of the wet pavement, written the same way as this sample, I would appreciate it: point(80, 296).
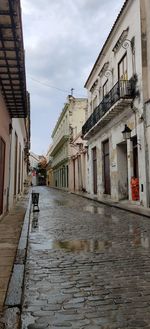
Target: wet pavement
point(88, 266)
point(10, 229)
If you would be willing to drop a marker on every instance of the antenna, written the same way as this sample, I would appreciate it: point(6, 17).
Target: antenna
point(72, 89)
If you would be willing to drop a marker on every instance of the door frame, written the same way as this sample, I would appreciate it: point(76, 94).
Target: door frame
point(107, 190)
point(94, 161)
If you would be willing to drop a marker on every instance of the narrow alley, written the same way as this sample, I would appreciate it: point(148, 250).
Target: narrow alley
point(88, 266)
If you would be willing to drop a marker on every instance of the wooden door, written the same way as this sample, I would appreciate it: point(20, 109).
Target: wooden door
point(135, 158)
point(106, 167)
point(94, 171)
point(2, 171)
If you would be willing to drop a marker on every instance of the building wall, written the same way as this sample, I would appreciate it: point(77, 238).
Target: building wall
point(77, 114)
point(19, 179)
point(69, 124)
point(134, 62)
point(131, 114)
point(4, 134)
point(145, 26)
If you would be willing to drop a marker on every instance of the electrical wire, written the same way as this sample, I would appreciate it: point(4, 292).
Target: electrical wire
point(47, 85)
point(53, 87)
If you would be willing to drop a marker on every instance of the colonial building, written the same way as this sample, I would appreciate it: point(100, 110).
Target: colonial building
point(69, 124)
point(118, 89)
point(49, 170)
point(78, 165)
point(14, 106)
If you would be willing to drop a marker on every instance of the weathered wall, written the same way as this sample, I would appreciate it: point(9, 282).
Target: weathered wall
point(19, 128)
point(4, 134)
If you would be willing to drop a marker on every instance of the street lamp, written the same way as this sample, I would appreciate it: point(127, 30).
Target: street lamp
point(126, 133)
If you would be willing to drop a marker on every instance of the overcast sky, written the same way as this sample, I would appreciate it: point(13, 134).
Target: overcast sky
point(62, 40)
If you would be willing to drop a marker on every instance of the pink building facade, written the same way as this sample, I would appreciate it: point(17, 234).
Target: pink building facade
point(5, 123)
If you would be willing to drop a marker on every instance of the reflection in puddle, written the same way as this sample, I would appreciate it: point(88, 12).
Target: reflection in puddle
point(94, 210)
point(81, 245)
point(138, 238)
point(35, 223)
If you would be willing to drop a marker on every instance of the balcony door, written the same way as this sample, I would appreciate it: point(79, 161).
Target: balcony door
point(2, 171)
point(94, 170)
point(105, 88)
point(123, 75)
point(106, 167)
point(123, 69)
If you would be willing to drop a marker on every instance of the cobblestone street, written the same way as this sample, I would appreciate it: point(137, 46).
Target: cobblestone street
point(88, 266)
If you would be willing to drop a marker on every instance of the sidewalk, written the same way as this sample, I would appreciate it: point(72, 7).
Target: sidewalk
point(124, 204)
point(10, 230)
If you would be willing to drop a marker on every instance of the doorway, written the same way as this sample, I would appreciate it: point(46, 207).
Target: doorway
point(2, 171)
point(106, 167)
point(94, 170)
point(122, 171)
point(135, 157)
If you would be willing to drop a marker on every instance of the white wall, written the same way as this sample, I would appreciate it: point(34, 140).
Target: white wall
point(19, 128)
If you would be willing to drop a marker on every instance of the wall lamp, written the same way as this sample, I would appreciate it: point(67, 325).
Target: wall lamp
point(127, 135)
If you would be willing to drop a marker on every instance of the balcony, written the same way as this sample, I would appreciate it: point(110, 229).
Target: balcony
point(59, 144)
point(112, 104)
point(12, 61)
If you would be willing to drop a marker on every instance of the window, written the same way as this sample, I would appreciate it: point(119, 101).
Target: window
point(123, 69)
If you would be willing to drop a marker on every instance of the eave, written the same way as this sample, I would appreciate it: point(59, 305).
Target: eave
point(12, 63)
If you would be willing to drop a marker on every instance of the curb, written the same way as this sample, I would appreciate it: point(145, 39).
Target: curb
point(141, 212)
point(145, 212)
point(12, 306)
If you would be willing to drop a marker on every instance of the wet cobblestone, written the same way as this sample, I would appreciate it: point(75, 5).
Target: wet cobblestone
point(88, 266)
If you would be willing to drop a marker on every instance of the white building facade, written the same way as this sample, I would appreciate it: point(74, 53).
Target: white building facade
point(69, 124)
point(118, 167)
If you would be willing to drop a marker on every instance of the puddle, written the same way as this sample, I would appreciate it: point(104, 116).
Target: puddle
point(94, 210)
point(81, 245)
point(75, 246)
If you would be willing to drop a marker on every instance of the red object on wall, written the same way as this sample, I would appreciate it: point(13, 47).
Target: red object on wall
point(135, 188)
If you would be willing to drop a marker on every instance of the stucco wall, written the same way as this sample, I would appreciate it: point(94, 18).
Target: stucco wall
point(19, 129)
point(4, 133)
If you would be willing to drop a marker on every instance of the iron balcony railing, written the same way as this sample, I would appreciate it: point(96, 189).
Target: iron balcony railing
point(122, 90)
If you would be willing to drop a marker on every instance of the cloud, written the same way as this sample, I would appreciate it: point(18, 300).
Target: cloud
point(62, 41)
